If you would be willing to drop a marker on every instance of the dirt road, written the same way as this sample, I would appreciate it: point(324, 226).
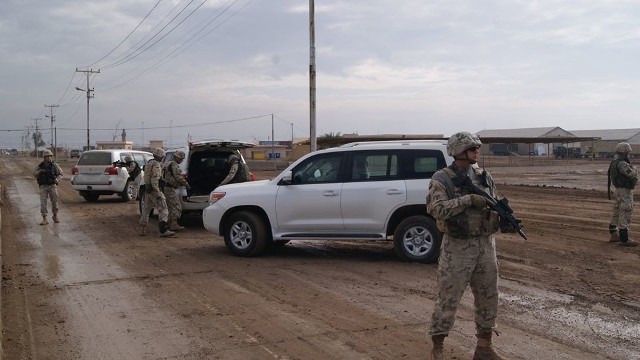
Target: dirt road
point(90, 288)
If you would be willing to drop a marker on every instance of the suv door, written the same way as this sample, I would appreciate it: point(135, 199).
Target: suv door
point(372, 191)
point(312, 201)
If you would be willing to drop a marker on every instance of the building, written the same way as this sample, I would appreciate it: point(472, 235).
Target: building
point(609, 138)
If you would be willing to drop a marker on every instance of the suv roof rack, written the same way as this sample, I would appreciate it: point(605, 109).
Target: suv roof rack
point(401, 142)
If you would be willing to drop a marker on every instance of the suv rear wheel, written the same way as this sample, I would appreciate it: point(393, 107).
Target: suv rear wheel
point(246, 234)
point(417, 239)
point(127, 193)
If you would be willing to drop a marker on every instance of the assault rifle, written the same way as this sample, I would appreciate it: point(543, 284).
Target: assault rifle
point(500, 206)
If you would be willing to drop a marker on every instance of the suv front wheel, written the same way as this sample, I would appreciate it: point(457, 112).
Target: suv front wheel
point(417, 239)
point(246, 234)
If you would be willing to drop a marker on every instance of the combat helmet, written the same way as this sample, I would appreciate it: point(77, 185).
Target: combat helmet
point(47, 153)
point(462, 141)
point(179, 155)
point(158, 152)
point(623, 148)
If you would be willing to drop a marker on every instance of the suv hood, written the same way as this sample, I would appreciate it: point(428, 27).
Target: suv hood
point(248, 184)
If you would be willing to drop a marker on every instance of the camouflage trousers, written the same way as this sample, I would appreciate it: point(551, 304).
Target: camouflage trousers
point(622, 207)
point(466, 262)
point(51, 192)
point(173, 203)
point(154, 200)
point(136, 187)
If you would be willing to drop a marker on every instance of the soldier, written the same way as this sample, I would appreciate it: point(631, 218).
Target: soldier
point(135, 175)
point(468, 254)
point(624, 177)
point(172, 181)
point(47, 173)
point(238, 171)
point(153, 197)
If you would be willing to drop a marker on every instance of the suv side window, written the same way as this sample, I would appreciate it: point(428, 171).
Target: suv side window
point(421, 164)
point(139, 158)
point(373, 166)
point(323, 168)
point(123, 156)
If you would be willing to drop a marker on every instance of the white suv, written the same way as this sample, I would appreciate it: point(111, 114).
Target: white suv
point(359, 191)
point(96, 174)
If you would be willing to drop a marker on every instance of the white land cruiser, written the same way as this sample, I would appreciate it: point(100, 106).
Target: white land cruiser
point(95, 173)
point(359, 191)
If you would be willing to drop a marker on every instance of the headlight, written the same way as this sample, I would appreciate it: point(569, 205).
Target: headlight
point(215, 196)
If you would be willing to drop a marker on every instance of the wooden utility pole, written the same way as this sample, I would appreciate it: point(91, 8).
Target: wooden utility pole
point(312, 78)
point(89, 96)
point(52, 118)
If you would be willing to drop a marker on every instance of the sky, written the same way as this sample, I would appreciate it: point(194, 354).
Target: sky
point(180, 70)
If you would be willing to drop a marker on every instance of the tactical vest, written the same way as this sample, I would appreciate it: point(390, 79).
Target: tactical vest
point(472, 222)
point(618, 179)
point(49, 177)
point(171, 174)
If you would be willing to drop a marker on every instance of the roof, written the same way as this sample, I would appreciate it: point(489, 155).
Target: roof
point(609, 134)
point(525, 133)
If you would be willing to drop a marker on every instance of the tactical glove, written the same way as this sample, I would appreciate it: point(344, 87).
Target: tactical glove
point(478, 201)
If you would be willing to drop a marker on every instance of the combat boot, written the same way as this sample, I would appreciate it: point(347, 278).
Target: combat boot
point(484, 349)
point(624, 238)
point(55, 218)
point(44, 220)
point(613, 232)
point(164, 229)
point(174, 226)
point(143, 230)
point(438, 347)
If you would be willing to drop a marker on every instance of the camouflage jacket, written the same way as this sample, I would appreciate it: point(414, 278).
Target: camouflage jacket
point(454, 213)
point(622, 174)
point(152, 175)
point(172, 176)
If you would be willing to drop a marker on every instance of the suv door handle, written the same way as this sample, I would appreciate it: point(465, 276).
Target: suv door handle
point(330, 193)
point(394, 192)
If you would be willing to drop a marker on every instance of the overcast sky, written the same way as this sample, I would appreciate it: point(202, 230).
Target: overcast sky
point(170, 69)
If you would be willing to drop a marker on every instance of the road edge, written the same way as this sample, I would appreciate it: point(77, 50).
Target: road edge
point(1, 267)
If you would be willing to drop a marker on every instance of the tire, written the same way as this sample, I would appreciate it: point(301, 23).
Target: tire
point(417, 239)
point(90, 197)
point(127, 193)
point(246, 234)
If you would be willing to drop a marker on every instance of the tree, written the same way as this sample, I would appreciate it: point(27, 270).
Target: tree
point(37, 139)
point(332, 135)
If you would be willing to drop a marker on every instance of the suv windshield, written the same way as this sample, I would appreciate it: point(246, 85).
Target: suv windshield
point(95, 158)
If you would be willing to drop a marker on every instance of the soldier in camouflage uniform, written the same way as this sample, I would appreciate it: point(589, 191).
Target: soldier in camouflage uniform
point(172, 181)
point(153, 196)
point(468, 254)
point(238, 171)
point(624, 177)
point(47, 173)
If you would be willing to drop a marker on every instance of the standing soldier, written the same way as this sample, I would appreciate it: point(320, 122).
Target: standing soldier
point(153, 197)
point(47, 174)
point(135, 175)
point(468, 253)
point(238, 171)
point(624, 177)
point(172, 181)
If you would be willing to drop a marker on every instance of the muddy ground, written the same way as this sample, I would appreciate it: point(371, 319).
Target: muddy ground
point(90, 288)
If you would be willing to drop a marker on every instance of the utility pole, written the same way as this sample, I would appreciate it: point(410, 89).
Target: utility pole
point(312, 78)
point(273, 146)
point(52, 117)
point(89, 96)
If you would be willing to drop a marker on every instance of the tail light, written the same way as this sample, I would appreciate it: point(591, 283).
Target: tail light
point(215, 196)
point(252, 177)
point(74, 170)
point(112, 170)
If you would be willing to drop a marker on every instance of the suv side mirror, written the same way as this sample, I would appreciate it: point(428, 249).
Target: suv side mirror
point(286, 178)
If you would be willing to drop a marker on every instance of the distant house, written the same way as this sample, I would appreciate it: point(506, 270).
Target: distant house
point(523, 141)
point(609, 138)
